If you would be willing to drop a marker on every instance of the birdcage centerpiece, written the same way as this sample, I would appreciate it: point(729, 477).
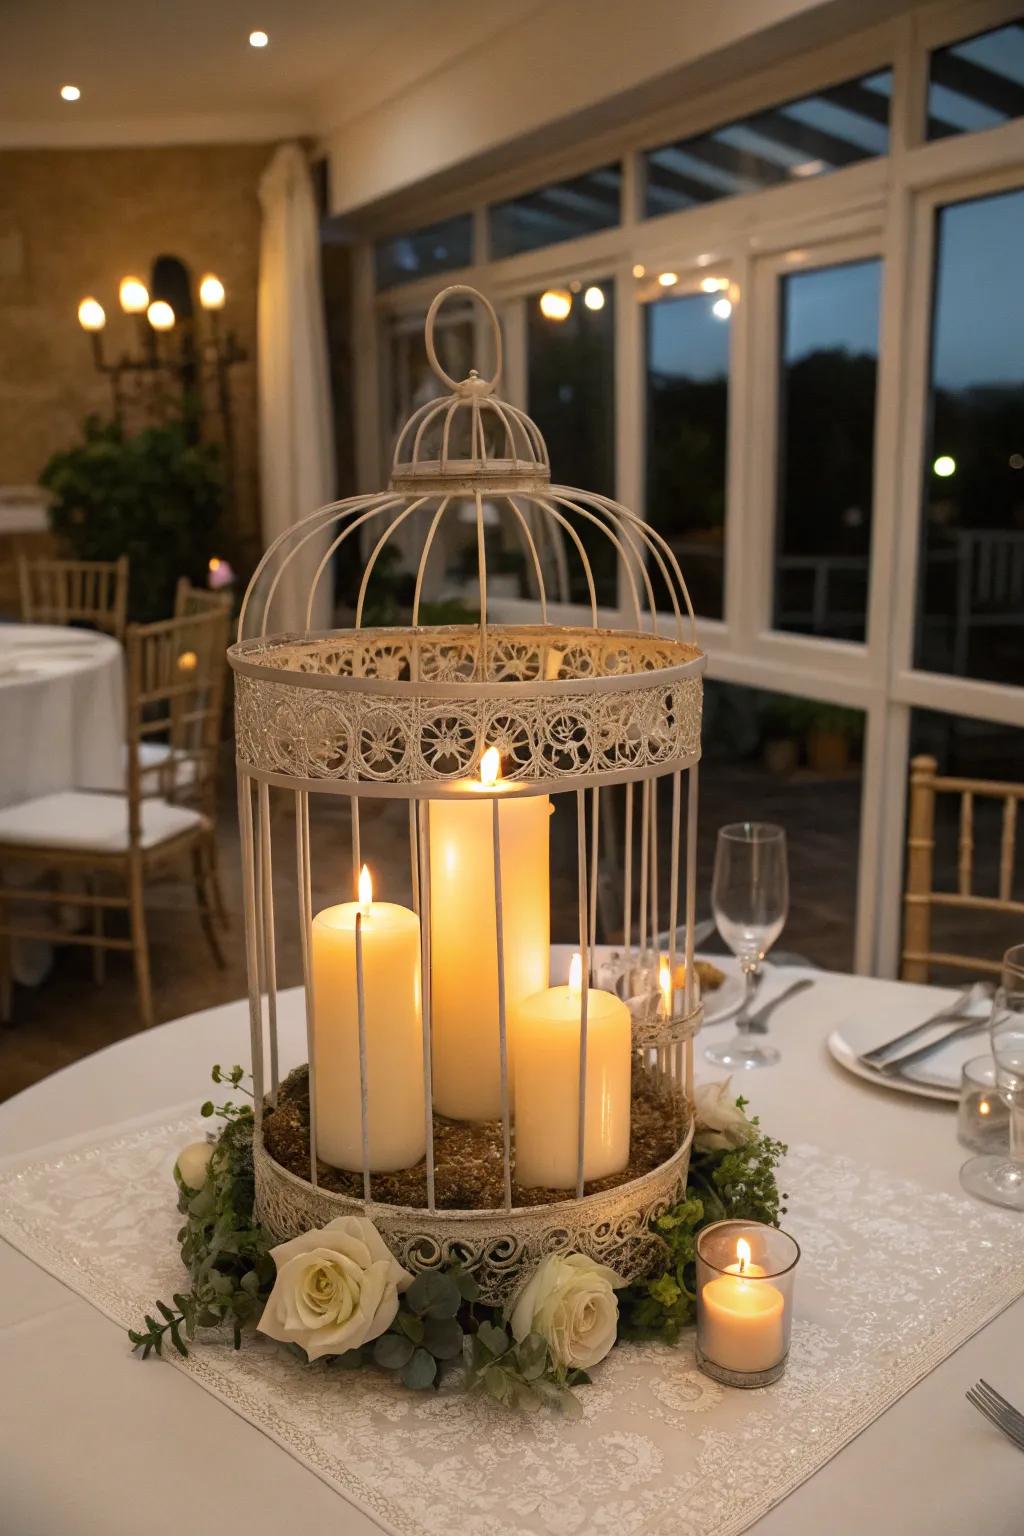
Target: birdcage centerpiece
point(485, 1096)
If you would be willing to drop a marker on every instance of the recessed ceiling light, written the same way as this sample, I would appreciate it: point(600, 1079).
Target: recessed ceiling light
point(258, 39)
point(70, 92)
point(668, 279)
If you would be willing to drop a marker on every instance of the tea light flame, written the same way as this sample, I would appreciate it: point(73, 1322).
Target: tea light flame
point(490, 767)
point(576, 975)
point(984, 1107)
point(743, 1254)
point(365, 890)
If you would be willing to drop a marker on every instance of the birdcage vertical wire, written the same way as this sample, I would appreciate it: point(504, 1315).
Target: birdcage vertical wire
point(407, 712)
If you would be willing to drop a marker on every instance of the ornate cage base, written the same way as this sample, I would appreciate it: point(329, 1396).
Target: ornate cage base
point(612, 1226)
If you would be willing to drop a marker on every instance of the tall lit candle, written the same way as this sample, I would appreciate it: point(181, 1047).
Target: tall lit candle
point(393, 1032)
point(463, 932)
point(743, 1317)
point(546, 1057)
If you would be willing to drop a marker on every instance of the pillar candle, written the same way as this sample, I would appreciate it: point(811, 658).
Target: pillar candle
point(463, 934)
point(742, 1322)
point(394, 1037)
point(546, 1044)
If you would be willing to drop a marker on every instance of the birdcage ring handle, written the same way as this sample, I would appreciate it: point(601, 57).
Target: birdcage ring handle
point(474, 383)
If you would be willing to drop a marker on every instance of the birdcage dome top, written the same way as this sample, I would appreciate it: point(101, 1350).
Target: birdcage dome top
point(469, 437)
point(614, 693)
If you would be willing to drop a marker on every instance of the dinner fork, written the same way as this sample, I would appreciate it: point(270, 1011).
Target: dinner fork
point(998, 1411)
point(969, 998)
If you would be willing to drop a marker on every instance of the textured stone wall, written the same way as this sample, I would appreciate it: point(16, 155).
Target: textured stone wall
point(73, 222)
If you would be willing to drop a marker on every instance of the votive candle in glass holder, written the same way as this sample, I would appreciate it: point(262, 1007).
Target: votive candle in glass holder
point(745, 1273)
point(983, 1123)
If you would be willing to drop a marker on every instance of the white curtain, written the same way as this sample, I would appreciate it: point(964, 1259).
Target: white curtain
point(296, 448)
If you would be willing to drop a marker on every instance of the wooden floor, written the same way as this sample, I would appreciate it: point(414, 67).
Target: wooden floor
point(68, 1016)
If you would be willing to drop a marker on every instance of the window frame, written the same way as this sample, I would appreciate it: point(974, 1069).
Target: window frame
point(879, 208)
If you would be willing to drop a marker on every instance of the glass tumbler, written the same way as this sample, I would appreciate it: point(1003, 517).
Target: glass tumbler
point(983, 1121)
point(745, 1274)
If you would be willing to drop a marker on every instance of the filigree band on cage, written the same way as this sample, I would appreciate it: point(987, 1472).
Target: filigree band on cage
point(612, 1226)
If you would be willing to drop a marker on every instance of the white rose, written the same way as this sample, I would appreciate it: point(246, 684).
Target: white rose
point(571, 1303)
point(336, 1288)
point(721, 1126)
point(193, 1162)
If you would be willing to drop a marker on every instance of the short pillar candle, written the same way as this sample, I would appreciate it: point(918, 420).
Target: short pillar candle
point(546, 1059)
point(396, 1125)
point(745, 1274)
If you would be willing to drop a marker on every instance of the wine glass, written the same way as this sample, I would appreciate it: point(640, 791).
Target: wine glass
point(750, 899)
point(999, 1176)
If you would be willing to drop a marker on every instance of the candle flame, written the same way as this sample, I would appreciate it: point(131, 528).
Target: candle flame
point(490, 767)
point(984, 1108)
point(665, 983)
point(576, 975)
point(743, 1254)
point(365, 889)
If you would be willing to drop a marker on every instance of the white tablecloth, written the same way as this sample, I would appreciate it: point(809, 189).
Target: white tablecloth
point(62, 711)
point(94, 1443)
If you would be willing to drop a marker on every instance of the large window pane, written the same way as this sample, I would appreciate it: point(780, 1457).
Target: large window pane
point(562, 211)
point(571, 397)
point(773, 757)
point(977, 83)
point(819, 133)
point(829, 365)
point(971, 583)
point(979, 750)
point(687, 426)
point(435, 248)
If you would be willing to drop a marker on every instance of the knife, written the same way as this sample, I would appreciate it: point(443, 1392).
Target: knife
point(911, 1058)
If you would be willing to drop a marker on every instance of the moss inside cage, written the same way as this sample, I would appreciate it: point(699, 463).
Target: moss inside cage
point(468, 1155)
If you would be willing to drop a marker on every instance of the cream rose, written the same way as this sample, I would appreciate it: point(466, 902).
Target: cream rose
point(571, 1303)
point(336, 1288)
point(720, 1125)
point(193, 1162)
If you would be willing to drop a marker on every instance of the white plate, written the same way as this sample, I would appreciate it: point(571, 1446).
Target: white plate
point(725, 1000)
point(937, 1077)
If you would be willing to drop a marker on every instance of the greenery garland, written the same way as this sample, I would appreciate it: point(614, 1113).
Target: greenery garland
point(441, 1319)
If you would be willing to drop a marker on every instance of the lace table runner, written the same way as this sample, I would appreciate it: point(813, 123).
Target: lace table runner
point(891, 1281)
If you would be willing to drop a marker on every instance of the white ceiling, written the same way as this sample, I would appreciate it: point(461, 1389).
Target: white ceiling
point(162, 71)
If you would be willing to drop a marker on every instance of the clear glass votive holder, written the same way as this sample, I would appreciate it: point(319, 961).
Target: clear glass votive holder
point(983, 1123)
point(745, 1274)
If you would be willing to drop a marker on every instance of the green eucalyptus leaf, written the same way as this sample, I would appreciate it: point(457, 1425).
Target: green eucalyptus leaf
point(351, 1360)
point(392, 1351)
point(468, 1288)
point(442, 1336)
point(532, 1354)
point(206, 1110)
point(433, 1294)
point(250, 1282)
point(497, 1383)
point(420, 1371)
point(411, 1326)
point(493, 1338)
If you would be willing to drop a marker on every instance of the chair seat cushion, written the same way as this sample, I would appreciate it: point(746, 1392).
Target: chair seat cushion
point(92, 822)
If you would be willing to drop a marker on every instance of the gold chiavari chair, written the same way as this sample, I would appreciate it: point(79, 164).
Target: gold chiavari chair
point(189, 600)
point(921, 899)
point(75, 591)
point(128, 839)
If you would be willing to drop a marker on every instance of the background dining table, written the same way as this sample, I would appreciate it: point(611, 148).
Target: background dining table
point(95, 1443)
point(62, 708)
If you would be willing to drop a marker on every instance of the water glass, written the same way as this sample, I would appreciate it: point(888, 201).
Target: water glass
point(983, 1119)
point(997, 1176)
point(750, 900)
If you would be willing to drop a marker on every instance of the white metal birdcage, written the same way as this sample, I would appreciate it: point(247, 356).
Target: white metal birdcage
point(379, 713)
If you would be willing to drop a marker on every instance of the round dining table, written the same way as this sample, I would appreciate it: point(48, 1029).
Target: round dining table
point(95, 1443)
point(62, 707)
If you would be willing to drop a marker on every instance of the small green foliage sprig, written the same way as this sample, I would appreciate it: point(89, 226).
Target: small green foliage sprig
point(736, 1183)
point(225, 1250)
point(520, 1375)
point(428, 1331)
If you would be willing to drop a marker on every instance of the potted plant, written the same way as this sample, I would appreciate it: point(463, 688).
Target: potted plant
point(153, 496)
